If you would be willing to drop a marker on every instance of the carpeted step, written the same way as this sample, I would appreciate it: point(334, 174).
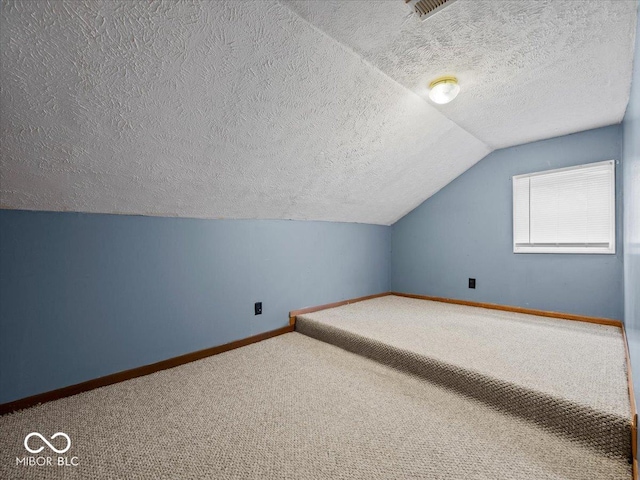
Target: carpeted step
point(399, 332)
point(297, 408)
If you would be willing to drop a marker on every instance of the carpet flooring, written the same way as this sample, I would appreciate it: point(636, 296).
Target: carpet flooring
point(569, 377)
point(292, 407)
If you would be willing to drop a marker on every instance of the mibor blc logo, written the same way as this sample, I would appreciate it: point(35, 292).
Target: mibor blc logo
point(55, 435)
point(33, 443)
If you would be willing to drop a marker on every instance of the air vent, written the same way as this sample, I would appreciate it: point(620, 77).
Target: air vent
point(425, 8)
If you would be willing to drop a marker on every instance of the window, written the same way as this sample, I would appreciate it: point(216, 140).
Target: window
point(569, 210)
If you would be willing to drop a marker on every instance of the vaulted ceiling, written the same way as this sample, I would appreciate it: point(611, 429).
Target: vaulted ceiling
point(293, 110)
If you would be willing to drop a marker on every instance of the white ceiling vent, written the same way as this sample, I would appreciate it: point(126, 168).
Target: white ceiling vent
point(425, 8)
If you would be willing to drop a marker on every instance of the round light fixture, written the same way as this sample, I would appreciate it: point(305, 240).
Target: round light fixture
point(444, 89)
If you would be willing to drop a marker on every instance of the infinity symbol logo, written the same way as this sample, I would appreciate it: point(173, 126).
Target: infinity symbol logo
point(55, 435)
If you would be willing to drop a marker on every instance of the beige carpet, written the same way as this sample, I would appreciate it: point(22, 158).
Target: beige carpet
point(568, 377)
point(297, 408)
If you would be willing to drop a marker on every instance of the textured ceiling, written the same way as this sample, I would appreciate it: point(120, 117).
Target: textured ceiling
point(303, 110)
point(528, 69)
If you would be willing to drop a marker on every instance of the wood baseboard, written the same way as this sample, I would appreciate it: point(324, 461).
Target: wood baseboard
point(191, 357)
point(294, 313)
point(508, 308)
point(136, 372)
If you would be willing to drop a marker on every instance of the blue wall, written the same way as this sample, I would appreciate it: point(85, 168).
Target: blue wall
point(86, 295)
point(465, 230)
point(631, 174)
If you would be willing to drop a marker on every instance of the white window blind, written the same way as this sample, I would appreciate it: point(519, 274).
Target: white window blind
point(569, 210)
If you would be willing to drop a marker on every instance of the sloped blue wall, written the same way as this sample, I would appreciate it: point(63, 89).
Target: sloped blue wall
point(465, 231)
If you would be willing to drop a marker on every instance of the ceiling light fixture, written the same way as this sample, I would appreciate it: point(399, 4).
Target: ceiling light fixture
point(444, 89)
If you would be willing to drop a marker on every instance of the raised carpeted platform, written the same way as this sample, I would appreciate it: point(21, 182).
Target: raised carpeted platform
point(297, 408)
point(566, 376)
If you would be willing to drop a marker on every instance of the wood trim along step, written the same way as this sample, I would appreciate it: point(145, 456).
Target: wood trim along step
point(634, 412)
point(294, 313)
point(508, 308)
point(136, 372)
